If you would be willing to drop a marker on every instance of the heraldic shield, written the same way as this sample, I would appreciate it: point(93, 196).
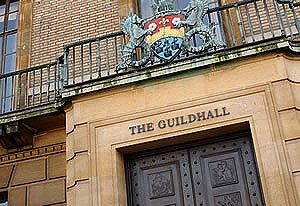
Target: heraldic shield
point(166, 39)
point(167, 32)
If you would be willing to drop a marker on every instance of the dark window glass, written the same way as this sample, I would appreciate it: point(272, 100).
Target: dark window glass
point(2, 9)
point(4, 198)
point(11, 43)
point(7, 95)
point(13, 6)
point(1, 43)
point(9, 13)
point(179, 4)
point(6, 84)
point(12, 22)
point(10, 63)
point(146, 9)
point(1, 24)
point(8, 34)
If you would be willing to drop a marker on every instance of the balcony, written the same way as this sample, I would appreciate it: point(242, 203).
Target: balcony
point(247, 27)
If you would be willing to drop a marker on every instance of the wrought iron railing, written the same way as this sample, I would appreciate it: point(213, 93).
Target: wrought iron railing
point(239, 24)
point(29, 88)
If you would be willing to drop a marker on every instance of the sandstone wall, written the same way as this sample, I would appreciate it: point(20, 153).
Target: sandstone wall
point(262, 91)
point(36, 176)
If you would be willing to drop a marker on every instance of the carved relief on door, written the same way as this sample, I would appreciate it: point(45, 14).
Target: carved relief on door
point(218, 174)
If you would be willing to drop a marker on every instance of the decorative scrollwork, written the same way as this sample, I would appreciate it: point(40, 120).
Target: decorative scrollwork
point(233, 199)
point(133, 26)
point(223, 172)
point(167, 33)
point(161, 184)
point(194, 14)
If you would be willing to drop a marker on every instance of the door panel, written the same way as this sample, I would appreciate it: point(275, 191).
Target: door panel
point(162, 180)
point(162, 185)
point(218, 174)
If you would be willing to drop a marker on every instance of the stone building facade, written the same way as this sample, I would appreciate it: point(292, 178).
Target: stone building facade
point(221, 127)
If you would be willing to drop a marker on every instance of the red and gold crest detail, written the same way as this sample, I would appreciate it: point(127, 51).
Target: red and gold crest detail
point(163, 27)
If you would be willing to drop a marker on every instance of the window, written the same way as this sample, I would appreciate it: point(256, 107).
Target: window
point(9, 12)
point(4, 198)
point(146, 11)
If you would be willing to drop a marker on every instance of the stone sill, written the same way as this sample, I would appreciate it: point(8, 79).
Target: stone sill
point(172, 68)
point(142, 75)
point(31, 112)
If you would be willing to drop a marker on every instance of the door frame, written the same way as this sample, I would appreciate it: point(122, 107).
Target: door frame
point(110, 140)
point(186, 146)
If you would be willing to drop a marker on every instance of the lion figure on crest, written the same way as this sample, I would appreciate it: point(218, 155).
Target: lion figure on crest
point(133, 26)
point(194, 15)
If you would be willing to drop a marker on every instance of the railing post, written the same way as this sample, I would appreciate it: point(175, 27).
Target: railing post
point(278, 15)
point(65, 69)
point(292, 4)
point(57, 76)
point(19, 91)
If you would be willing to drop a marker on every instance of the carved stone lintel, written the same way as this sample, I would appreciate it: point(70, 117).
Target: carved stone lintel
point(33, 153)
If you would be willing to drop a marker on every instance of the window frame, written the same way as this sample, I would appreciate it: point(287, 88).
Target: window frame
point(139, 8)
point(5, 33)
point(6, 85)
point(220, 30)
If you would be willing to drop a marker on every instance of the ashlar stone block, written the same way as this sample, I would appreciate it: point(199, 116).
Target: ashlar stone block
point(80, 138)
point(31, 171)
point(47, 193)
point(293, 149)
point(57, 166)
point(290, 123)
point(5, 173)
point(283, 95)
point(297, 183)
point(17, 197)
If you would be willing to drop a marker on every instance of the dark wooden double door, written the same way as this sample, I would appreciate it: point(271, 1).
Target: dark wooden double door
point(218, 174)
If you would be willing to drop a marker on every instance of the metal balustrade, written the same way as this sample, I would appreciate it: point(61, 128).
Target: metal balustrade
point(238, 24)
point(30, 88)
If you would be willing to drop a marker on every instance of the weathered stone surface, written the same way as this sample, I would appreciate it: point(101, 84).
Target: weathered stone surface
point(296, 93)
point(293, 149)
point(5, 173)
point(2, 150)
point(57, 166)
point(31, 171)
point(283, 95)
point(251, 94)
point(50, 138)
point(109, 136)
point(297, 183)
point(83, 195)
point(70, 146)
point(47, 193)
point(80, 138)
point(78, 169)
point(17, 197)
point(79, 194)
point(290, 123)
point(293, 71)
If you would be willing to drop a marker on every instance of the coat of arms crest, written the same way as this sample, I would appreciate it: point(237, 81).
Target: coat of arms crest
point(167, 33)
